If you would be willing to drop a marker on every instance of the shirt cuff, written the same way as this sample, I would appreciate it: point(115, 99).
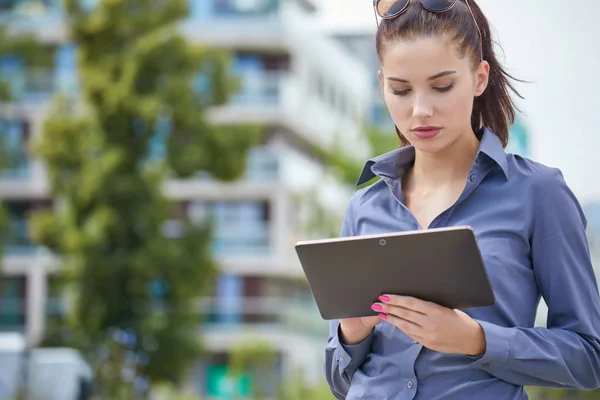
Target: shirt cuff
point(497, 347)
point(351, 355)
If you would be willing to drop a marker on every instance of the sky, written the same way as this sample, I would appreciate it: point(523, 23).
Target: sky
point(551, 45)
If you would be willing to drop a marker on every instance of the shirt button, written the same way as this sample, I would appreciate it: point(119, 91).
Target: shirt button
point(409, 385)
point(472, 177)
point(485, 365)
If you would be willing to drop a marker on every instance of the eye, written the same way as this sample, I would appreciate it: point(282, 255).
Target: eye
point(445, 88)
point(401, 92)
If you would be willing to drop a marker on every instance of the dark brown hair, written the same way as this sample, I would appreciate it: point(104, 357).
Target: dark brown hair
point(495, 107)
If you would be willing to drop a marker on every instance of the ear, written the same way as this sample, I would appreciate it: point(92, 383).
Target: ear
point(381, 80)
point(482, 78)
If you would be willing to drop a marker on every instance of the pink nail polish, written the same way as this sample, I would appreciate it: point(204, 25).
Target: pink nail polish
point(385, 299)
point(382, 315)
point(377, 307)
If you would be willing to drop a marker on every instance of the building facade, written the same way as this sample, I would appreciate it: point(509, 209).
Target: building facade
point(299, 83)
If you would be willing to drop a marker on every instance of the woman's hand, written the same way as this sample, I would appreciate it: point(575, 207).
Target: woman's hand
point(355, 330)
point(435, 327)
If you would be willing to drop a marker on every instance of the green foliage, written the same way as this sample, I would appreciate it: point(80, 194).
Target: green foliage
point(348, 170)
point(32, 53)
point(296, 388)
point(541, 393)
point(167, 391)
point(138, 86)
point(259, 358)
point(27, 47)
point(319, 221)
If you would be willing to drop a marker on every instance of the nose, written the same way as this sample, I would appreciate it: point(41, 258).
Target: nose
point(422, 107)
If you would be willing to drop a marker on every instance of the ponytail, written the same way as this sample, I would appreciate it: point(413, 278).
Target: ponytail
point(495, 108)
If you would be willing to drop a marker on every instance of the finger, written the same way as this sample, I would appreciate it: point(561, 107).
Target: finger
point(412, 303)
point(409, 328)
point(407, 314)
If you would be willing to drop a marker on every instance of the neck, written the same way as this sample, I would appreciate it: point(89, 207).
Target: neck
point(432, 170)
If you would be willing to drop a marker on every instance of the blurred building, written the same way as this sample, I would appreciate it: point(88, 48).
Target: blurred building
point(359, 40)
point(301, 84)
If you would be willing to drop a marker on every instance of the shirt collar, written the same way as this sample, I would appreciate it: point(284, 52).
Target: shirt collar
point(392, 164)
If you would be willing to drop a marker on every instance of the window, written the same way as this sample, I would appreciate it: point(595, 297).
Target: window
point(65, 59)
point(245, 7)
point(320, 87)
point(12, 303)
point(13, 73)
point(19, 241)
point(14, 135)
point(240, 228)
point(55, 301)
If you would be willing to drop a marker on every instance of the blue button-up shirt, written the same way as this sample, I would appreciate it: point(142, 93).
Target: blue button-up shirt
point(531, 233)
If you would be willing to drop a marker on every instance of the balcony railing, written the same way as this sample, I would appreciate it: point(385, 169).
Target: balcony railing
point(241, 240)
point(27, 12)
point(230, 313)
point(32, 84)
point(206, 9)
point(232, 241)
point(263, 165)
point(19, 243)
point(223, 313)
point(259, 88)
point(21, 173)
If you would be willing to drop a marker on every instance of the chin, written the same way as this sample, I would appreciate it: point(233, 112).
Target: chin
point(443, 141)
point(433, 145)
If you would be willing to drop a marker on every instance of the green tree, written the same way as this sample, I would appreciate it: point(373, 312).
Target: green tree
point(142, 87)
point(348, 169)
point(259, 359)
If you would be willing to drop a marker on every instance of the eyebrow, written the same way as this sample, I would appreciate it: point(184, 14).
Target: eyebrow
point(431, 78)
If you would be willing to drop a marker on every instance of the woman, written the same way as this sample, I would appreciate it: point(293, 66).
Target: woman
point(449, 99)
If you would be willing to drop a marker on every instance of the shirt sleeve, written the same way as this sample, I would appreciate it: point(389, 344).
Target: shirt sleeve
point(567, 352)
point(341, 361)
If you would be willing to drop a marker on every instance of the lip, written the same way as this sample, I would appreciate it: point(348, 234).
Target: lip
point(426, 132)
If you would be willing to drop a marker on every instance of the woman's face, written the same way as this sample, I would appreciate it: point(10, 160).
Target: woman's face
point(429, 91)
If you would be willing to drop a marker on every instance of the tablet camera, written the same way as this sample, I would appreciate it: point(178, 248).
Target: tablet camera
point(382, 242)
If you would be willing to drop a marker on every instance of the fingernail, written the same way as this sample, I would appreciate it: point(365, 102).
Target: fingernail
point(382, 315)
point(377, 307)
point(385, 299)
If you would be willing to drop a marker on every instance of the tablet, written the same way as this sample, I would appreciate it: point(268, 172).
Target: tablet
point(444, 265)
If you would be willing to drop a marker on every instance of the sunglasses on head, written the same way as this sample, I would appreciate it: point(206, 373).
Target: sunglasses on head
point(388, 9)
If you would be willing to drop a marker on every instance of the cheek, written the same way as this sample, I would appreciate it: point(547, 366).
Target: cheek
point(456, 104)
point(399, 107)
point(400, 110)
